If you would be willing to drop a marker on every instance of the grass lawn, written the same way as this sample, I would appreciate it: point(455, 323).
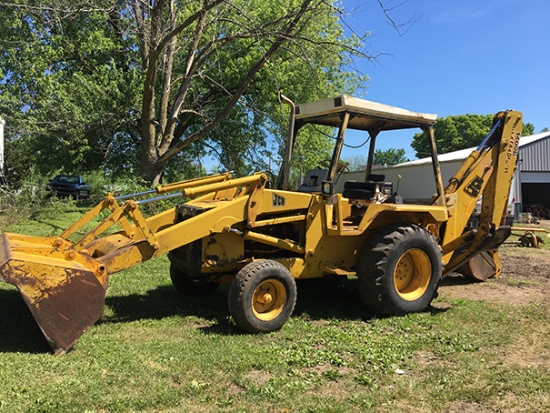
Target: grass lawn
point(157, 351)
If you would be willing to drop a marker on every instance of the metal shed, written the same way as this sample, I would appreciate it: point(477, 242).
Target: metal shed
point(531, 185)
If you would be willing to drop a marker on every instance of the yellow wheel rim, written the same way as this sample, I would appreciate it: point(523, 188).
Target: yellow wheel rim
point(268, 300)
point(412, 274)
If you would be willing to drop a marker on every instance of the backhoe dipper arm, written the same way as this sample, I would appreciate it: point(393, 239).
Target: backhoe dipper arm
point(488, 171)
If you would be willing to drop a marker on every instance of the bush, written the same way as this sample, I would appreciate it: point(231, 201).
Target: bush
point(32, 200)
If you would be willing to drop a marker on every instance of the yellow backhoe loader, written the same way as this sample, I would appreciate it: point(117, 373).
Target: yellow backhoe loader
point(259, 236)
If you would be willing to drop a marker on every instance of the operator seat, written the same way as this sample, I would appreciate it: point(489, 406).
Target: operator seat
point(364, 190)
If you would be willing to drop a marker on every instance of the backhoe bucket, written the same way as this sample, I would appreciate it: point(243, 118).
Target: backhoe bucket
point(481, 267)
point(61, 287)
point(481, 262)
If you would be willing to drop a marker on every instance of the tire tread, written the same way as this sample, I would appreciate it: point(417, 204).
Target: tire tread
point(374, 262)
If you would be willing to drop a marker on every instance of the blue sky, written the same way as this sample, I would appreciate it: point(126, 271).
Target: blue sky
point(458, 57)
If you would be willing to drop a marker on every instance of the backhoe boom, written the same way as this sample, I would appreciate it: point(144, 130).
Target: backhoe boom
point(486, 173)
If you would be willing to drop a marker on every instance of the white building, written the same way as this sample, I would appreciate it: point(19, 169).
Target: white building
point(531, 184)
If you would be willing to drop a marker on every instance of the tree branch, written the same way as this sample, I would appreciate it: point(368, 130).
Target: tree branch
point(184, 88)
point(397, 26)
point(235, 98)
point(187, 22)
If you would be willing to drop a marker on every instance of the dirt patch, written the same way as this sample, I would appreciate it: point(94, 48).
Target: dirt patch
point(529, 350)
point(464, 407)
point(525, 280)
point(258, 377)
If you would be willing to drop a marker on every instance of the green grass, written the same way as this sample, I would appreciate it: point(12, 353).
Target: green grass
point(157, 351)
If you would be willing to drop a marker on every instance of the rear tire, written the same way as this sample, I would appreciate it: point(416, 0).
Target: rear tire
point(185, 270)
point(262, 296)
point(399, 270)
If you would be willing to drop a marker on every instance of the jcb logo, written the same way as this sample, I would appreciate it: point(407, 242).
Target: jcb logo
point(278, 200)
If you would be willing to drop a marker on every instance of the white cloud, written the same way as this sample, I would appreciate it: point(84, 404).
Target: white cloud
point(463, 13)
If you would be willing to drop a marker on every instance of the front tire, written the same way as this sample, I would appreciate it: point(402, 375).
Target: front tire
point(399, 270)
point(185, 270)
point(187, 285)
point(262, 296)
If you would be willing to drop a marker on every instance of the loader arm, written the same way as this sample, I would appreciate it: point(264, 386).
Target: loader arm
point(64, 281)
point(487, 172)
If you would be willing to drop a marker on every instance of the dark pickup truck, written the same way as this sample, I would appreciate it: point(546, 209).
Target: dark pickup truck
point(69, 185)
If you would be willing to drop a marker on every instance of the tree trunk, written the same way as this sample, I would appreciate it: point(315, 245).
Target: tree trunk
point(151, 172)
point(158, 128)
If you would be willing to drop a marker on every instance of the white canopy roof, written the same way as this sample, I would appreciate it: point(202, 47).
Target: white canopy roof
point(365, 115)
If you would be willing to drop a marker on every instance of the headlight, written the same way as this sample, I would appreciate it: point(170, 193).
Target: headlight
point(327, 188)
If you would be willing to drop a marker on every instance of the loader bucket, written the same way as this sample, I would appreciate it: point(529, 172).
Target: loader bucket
point(60, 287)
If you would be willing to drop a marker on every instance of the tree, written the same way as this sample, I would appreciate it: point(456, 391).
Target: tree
point(528, 129)
point(390, 156)
point(454, 133)
point(458, 132)
point(356, 163)
point(130, 85)
point(68, 85)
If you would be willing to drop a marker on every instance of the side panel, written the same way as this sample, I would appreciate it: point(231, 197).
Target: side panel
point(274, 201)
point(222, 252)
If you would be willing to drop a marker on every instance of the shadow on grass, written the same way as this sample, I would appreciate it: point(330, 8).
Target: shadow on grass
point(318, 299)
point(53, 228)
point(165, 301)
point(335, 298)
point(18, 330)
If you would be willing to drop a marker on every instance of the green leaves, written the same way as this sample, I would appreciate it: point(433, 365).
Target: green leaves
point(105, 86)
point(459, 132)
point(454, 133)
point(67, 88)
point(390, 156)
